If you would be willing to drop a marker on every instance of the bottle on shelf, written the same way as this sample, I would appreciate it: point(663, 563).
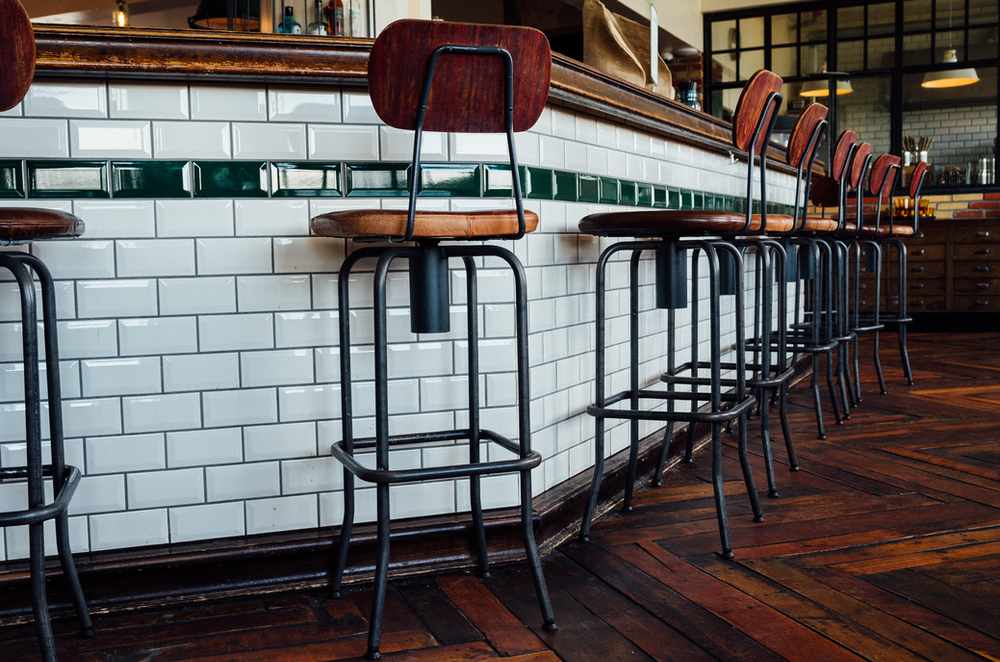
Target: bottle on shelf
point(288, 23)
point(356, 19)
point(318, 24)
point(336, 11)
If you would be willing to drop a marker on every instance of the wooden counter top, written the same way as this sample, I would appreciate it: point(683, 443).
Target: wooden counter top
point(313, 60)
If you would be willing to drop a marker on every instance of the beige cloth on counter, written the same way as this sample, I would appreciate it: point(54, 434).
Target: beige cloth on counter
point(620, 47)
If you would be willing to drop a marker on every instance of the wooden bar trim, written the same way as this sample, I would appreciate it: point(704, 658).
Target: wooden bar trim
point(124, 53)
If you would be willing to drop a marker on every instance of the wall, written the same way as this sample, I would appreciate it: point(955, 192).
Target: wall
point(198, 324)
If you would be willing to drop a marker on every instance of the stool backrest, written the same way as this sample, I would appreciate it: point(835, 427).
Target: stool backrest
point(17, 53)
point(881, 181)
point(803, 145)
point(842, 154)
point(467, 94)
point(751, 129)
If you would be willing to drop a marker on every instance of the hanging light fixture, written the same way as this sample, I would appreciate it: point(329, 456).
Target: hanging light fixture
point(950, 77)
point(119, 17)
point(239, 15)
point(820, 86)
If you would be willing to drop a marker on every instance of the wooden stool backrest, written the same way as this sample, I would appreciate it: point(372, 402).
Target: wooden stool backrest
point(862, 157)
point(842, 154)
point(749, 125)
point(17, 53)
point(917, 179)
point(883, 176)
point(467, 94)
point(802, 145)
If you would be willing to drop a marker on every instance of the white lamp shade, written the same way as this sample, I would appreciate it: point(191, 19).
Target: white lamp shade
point(821, 88)
point(950, 77)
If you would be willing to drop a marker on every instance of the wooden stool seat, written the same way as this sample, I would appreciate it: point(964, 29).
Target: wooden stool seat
point(20, 224)
point(374, 223)
point(820, 225)
point(676, 223)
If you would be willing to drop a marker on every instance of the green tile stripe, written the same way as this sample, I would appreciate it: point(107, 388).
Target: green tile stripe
point(256, 179)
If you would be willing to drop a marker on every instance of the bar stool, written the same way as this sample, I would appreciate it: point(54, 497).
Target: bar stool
point(890, 238)
point(881, 181)
point(431, 75)
point(22, 226)
point(662, 232)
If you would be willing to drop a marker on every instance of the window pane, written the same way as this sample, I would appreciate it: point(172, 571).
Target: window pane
point(917, 49)
point(916, 15)
point(866, 110)
point(982, 43)
point(791, 105)
point(949, 14)
point(851, 55)
point(723, 35)
point(881, 19)
point(813, 25)
point(813, 58)
point(752, 32)
point(750, 61)
point(850, 23)
point(882, 53)
point(983, 11)
point(784, 61)
point(784, 28)
point(723, 68)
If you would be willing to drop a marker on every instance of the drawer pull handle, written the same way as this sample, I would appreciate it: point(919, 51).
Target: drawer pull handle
point(920, 251)
point(983, 251)
point(917, 270)
point(982, 302)
point(917, 286)
point(983, 233)
point(983, 268)
point(982, 286)
point(917, 302)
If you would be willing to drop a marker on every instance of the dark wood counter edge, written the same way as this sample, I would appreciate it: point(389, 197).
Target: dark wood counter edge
point(310, 60)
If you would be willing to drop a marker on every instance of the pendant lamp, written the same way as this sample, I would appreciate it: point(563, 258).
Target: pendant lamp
point(950, 77)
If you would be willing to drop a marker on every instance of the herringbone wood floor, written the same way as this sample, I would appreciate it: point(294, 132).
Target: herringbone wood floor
point(885, 546)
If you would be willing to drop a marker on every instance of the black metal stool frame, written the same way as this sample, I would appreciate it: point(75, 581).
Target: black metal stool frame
point(742, 401)
point(65, 478)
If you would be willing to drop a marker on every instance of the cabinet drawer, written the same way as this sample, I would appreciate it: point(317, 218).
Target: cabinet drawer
point(970, 269)
point(921, 270)
point(977, 252)
point(978, 303)
point(919, 303)
point(977, 234)
point(929, 234)
point(971, 286)
point(925, 253)
point(928, 287)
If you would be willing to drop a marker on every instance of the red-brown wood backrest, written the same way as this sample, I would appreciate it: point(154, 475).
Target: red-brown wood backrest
point(879, 182)
point(916, 179)
point(860, 163)
point(468, 91)
point(843, 150)
point(751, 106)
point(802, 132)
point(17, 53)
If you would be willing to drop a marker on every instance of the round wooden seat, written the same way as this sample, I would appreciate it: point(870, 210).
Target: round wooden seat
point(375, 223)
point(675, 223)
point(18, 225)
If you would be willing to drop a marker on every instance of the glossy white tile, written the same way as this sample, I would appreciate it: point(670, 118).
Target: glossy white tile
point(207, 522)
point(315, 474)
point(307, 254)
point(98, 494)
point(78, 258)
point(198, 448)
point(65, 98)
point(201, 372)
point(343, 142)
point(269, 141)
point(121, 139)
point(154, 101)
point(185, 296)
point(132, 529)
point(34, 138)
point(87, 338)
point(305, 329)
point(397, 145)
point(157, 335)
point(91, 418)
point(271, 218)
point(220, 333)
point(155, 257)
point(308, 403)
point(116, 298)
point(243, 481)
point(110, 219)
point(279, 442)
point(156, 489)
point(240, 407)
point(161, 413)
point(234, 256)
point(261, 293)
point(276, 368)
point(358, 108)
point(121, 376)
point(192, 140)
point(194, 218)
point(123, 454)
point(303, 105)
point(282, 514)
point(230, 103)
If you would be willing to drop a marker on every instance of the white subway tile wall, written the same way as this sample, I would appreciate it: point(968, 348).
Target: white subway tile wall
point(199, 337)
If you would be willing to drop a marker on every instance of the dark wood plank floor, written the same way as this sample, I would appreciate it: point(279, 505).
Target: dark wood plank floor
point(885, 546)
